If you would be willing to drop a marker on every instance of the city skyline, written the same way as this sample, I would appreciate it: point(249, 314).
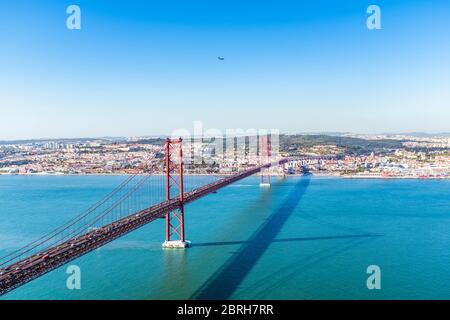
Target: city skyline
point(151, 68)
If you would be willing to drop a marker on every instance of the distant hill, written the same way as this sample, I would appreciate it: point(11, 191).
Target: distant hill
point(63, 140)
point(425, 134)
point(355, 146)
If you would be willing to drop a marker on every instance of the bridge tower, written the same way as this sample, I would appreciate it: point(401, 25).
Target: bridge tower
point(174, 188)
point(264, 157)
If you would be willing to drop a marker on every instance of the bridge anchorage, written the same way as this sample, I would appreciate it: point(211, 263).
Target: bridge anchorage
point(174, 180)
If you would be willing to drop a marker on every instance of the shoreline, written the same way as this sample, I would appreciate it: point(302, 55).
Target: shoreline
point(225, 175)
point(396, 177)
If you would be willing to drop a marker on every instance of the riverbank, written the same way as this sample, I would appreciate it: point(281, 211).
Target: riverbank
point(323, 175)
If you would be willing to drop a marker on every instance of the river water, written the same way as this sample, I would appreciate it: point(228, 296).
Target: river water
point(304, 238)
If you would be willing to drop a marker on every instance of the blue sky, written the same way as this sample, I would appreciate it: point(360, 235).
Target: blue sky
point(149, 67)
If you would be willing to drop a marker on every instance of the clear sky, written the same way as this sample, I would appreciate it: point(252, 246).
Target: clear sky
point(149, 67)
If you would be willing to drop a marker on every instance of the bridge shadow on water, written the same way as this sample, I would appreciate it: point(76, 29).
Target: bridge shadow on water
point(228, 243)
point(223, 283)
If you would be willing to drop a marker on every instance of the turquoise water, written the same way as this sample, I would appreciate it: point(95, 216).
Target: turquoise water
point(305, 238)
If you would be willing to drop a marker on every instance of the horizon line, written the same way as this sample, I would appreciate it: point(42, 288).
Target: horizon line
point(162, 136)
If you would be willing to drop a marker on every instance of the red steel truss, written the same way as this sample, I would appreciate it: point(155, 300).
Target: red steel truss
point(264, 157)
point(35, 265)
point(174, 180)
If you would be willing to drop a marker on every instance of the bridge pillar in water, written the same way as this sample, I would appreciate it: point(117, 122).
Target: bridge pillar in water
point(175, 237)
point(264, 157)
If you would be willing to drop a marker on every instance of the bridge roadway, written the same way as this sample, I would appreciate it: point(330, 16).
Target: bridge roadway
point(49, 259)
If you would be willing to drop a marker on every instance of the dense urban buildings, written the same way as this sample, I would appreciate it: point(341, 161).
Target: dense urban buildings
point(409, 156)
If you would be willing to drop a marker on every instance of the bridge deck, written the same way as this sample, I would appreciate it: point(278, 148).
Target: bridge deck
point(38, 264)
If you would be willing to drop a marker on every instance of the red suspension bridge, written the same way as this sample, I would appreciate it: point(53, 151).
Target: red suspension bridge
point(131, 205)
